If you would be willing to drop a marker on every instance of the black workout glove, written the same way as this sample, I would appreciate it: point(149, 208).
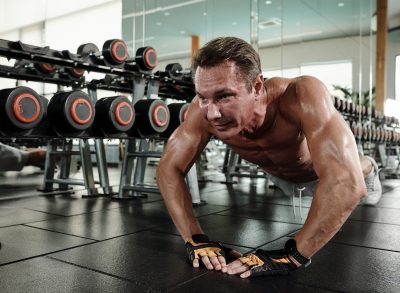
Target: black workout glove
point(200, 246)
point(273, 262)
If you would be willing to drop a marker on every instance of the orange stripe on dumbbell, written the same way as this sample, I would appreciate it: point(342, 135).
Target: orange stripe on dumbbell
point(156, 111)
point(118, 117)
point(77, 102)
point(18, 109)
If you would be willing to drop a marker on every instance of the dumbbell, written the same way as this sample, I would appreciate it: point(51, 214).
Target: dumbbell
point(114, 115)
point(21, 110)
point(359, 131)
point(152, 118)
point(115, 52)
point(378, 134)
point(71, 113)
point(353, 127)
point(178, 114)
point(336, 102)
point(74, 72)
point(373, 133)
point(364, 133)
point(396, 137)
point(175, 71)
point(363, 110)
point(46, 68)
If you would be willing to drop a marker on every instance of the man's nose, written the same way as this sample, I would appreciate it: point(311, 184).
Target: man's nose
point(213, 112)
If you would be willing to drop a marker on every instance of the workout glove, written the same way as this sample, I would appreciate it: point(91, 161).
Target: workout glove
point(200, 246)
point(274, 262)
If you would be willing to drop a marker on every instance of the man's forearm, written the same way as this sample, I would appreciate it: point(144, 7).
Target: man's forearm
point(331, 206)
point(178, 202)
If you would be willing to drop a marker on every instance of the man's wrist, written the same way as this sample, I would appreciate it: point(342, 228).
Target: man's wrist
point(295, 256)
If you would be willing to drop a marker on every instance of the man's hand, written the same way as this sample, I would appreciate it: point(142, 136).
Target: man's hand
point(211, 253)
point(260, 263)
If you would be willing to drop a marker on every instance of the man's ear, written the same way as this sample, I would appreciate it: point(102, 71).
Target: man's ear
point(259, 86)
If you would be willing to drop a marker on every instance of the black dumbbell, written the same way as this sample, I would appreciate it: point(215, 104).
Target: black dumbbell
point(152, 118)
point(114, 115)
point(86, 50)
point(75, 72)
point(146, 58)
point(178, 113)
point(71, 112)
point(115, 51)
point(46, 68)
point(21, 109)
point(175, 71)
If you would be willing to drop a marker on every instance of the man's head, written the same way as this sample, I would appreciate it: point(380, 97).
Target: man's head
point(229, 86)
point(221, 50)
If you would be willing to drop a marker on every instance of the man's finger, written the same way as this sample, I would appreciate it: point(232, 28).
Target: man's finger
point(215, 262)
point(238, 270)
point(246, 274)
point(207, 263)
point(222, 261)
point(236, 267)
point(196, 263)
point(235, 264)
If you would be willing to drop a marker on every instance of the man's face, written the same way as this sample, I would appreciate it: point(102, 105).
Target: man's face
point(224, 99)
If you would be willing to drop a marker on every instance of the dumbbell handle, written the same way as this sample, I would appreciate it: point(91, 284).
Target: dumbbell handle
point(184, 71)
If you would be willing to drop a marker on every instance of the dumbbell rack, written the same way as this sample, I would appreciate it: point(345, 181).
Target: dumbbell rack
point(20, 51)
point(122, 77)
point(87, 166)
point(132, 185)
point(376, 134)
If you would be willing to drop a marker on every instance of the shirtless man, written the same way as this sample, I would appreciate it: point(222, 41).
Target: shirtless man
point(290, 128)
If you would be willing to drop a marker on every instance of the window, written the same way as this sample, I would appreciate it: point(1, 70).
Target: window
point(397, 78)
point(338, 73)
point(331, 74)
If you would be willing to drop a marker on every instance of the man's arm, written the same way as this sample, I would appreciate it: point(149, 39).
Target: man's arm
point(183, 148)
point(336, 162)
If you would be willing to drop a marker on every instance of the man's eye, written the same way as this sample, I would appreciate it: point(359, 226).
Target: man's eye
point(224, 97)
point(202, 100)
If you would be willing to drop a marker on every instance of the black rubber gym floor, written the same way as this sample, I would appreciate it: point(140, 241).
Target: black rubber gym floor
point(65, 243)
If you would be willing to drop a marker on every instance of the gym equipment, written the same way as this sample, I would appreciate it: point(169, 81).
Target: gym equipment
point(71, 113)
point(75, 72)
point(178, 114)
point(114, 115)
point(175, 71)
point(21, 109)
point(46, 68)
point(115, 51)
point(152, 118)
point(146, 58)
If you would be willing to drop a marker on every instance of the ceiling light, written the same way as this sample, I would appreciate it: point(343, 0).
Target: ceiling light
point(158, 23)
point(166, 13)
point(268, 2)
point(340, 4)
point(182, 32)
point(204, 13)
point(234, 23)
point(271, 22)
